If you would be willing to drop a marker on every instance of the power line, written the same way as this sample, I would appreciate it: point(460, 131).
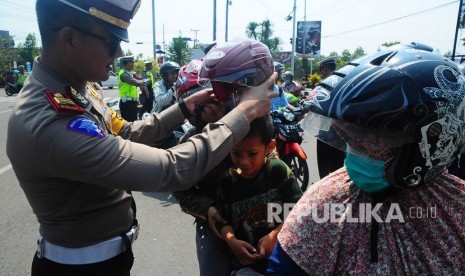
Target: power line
point(391, 20)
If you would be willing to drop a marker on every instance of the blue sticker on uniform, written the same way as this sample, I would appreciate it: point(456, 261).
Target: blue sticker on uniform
point(86, 126)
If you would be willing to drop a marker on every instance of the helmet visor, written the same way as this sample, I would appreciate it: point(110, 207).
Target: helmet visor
point(248, 77)
point(223, 91)
point(374, 143)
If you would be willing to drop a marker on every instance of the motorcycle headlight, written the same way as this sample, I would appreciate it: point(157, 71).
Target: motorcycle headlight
point(289, 116)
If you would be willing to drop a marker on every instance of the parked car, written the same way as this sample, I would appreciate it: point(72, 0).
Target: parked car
point(111, 82)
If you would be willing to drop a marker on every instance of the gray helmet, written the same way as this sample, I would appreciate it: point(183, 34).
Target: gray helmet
point(287, 74)
point(278, 67)
point(168, 67)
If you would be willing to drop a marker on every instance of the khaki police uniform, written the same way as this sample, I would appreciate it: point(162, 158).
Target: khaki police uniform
point(74, 158)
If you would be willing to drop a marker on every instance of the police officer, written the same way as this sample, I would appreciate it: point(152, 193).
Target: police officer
point(329, 158)
point(146, 98)
point(127, 86)
point(21, 77)
point(75, 158)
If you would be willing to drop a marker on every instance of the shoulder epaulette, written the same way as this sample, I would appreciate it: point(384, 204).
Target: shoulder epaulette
point(60, 102)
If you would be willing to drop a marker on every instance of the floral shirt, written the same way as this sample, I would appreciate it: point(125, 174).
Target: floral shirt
point(422, 230)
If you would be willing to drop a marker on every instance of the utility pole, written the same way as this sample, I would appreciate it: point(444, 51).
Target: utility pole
point(227, 16)
point(304, 45)
point(293, 38)
point(457, 29)
point(214, 20)
point(164, 45)
point(195, 39)
point(153, 31)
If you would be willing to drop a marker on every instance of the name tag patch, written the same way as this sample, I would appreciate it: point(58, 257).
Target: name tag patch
point(85, 126)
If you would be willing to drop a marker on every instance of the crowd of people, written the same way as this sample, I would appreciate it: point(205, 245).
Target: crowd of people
point(393, 121)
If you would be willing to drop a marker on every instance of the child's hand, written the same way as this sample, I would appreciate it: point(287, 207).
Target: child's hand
point(267, 243)
point(214, 216)
point(245, 253)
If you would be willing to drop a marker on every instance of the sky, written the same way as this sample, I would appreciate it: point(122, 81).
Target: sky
point(345, 24)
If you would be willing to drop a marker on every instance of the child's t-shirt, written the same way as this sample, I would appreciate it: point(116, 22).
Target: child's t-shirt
point(245, 202)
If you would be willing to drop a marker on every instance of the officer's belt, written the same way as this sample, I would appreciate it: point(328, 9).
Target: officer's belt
point(95, 253)
point(125, 98)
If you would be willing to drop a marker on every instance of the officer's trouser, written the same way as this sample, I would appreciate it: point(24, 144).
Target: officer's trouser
point(128, 110)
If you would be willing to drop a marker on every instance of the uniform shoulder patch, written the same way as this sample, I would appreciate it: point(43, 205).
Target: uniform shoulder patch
point(60, 102)
point(85, 126)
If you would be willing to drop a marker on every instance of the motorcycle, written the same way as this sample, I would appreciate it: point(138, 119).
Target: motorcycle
point(11, 88)
point(288, 139)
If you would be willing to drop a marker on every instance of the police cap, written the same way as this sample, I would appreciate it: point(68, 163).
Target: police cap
point(113, 15)
point(127, 58)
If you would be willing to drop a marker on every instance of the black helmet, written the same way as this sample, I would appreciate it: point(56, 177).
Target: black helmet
point(287, 75)
point(278, 67)
point(168, 67)
point(410, 90)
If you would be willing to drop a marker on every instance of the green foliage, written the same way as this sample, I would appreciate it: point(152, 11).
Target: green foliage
point(263, 32)
point(7, 54)
point(29, 50)
point(390, 43)
point(314, 79)
point(179, 51)
point(251, 30)
point(359, 52)
point(139, 66)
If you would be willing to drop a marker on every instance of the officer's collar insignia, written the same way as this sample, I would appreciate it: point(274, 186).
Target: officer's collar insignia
point(85, 126)
point(60, 102)
point(93, 92)
point(78, 97)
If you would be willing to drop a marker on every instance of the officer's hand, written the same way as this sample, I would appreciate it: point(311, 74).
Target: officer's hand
point(213, 111)
point(214, 216)
point(255, 101)
point(199, 98)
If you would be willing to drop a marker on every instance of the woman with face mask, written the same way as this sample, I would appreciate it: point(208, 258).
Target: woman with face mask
point(393, 208)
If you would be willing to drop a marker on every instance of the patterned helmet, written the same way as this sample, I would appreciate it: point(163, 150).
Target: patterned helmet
point(409, 90)
point(236, 64)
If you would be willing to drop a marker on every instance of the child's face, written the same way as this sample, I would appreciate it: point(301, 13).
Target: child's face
point(249, 155)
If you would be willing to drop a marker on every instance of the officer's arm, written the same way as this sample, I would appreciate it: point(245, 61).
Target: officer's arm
point(127, 78)
point(88, 155)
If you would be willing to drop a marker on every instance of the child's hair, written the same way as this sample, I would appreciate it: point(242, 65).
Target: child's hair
point(262, 127)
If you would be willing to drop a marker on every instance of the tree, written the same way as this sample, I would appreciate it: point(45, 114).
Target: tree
point(29, 50)
point(251, 30)
point(264, 35)
point(390, 43)
point(346, 56)
point(359, 52)
point(179, 51)
point(7, 53)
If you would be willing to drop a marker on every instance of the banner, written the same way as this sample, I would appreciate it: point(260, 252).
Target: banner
point(308, 40)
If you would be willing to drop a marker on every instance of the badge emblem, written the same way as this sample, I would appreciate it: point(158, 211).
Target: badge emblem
point(85, 126)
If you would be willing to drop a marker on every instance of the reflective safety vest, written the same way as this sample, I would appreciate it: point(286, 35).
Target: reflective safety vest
point(126, 89)
point(21, 78)
point(150, 75)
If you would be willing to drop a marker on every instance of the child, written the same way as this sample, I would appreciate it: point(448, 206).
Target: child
point(245, 192)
